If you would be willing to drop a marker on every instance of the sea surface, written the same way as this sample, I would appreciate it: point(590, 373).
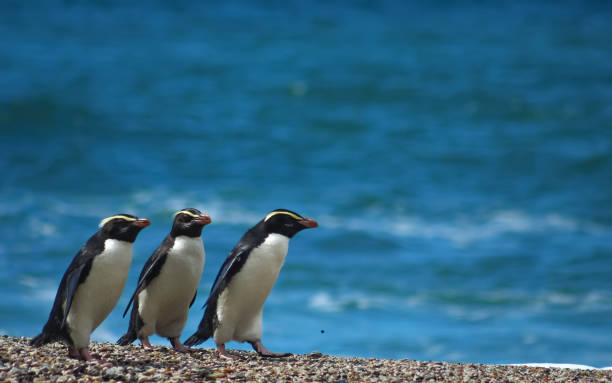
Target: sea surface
point(457, 156)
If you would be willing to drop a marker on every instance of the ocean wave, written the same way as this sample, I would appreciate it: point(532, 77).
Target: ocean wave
point(40, 290)
point(143, 203)
point(159, 202)
point(323, 301)
point(40, 228)
point(466, 306)
point(462, 231)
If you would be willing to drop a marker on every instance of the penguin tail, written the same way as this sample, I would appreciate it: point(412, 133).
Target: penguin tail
point(206, 326)
point(134, 327)
point(127, 338)
point(40, 339)
point(195, 339)
point(205, 331)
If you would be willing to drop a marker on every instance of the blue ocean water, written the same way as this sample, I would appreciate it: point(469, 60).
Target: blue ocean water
point(457, 156)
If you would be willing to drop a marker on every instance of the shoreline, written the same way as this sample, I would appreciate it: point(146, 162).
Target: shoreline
point(20, 362)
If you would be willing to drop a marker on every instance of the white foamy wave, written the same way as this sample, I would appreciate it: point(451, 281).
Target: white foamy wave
point(463, 231)
point(29, 282)
point(323, 301)
point(41, 290)
point(46, 295)
point(469, 314)
point(463, 307)
point(144, 202)
point(233, 216)
point(40, 228)
point(161, 202)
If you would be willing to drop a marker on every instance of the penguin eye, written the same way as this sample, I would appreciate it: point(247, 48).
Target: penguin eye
point(290, 224)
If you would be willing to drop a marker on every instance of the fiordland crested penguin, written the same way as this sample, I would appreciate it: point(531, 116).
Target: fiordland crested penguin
point(168, 283)
point(235, 304)
point(92, 285)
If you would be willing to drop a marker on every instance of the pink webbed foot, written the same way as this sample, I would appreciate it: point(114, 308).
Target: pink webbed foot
point(74, 353)
point(85, 355)
point(224, 354)
point(82, 354)
point(178, 346)
point(145, 342)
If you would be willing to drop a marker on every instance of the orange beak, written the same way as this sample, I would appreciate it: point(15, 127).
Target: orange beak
point(203, 219)
point(309, 223)
point(142, 222)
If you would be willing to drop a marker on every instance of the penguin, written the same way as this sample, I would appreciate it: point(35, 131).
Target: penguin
point(235, 304)
point(92, 285)
point(168, 283)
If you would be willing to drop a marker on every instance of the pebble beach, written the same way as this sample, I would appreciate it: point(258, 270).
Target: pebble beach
point(19, 362)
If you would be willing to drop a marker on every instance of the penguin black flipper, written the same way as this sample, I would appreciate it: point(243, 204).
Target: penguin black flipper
point(151, 269)
point(233, 263)
point(73, 279)
point(231, 266)
point(55, 328)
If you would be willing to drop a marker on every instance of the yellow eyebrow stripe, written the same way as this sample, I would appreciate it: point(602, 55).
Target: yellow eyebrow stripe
point(105, 220)
point(186, 212)
point(294, 216)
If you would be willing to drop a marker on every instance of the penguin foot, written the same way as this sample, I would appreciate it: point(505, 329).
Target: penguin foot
point(145, 342)
point(224, 354)
point(263, 351)
point(74, 353)
point(87, 356)
point(178, 346)
point(82, 354)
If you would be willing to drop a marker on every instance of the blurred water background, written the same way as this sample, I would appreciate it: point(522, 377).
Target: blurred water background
point(457, 156)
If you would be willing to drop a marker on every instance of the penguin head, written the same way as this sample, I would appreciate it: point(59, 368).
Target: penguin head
point(123, 227)
point(189, 222)
point(287, 223)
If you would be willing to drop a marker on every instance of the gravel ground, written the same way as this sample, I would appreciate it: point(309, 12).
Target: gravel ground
point(21, 363)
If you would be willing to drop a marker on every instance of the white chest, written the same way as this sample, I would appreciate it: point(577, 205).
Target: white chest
point(97, 296)
point(185, 259)
point(178, 278)
point(114, 260)
point(240, 306)
point(266, 260)
point(108, 274)
point(258, 275)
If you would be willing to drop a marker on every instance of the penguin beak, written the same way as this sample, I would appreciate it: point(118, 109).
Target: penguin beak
point(142, 222)
point(203, 219)
point(309, 223)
